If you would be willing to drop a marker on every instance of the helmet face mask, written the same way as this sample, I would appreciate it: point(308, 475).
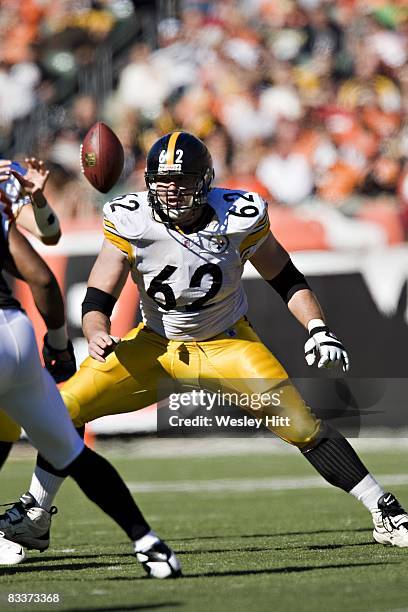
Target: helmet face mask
point(178, 176)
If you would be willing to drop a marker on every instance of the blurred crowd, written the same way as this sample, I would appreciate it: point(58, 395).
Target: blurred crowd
point(304, 101)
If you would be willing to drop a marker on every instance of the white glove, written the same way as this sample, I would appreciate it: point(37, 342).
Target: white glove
point(324, 346)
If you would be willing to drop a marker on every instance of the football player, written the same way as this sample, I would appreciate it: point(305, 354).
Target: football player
point(185, 244)
point(25, 189)
point(47, 424)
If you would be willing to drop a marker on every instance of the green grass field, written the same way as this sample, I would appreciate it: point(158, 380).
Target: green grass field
point(253, 531)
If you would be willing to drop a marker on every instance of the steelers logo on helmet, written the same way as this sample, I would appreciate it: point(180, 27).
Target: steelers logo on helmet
point(179, 171)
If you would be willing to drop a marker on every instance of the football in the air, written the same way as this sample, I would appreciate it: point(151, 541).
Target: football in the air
point(102, 157)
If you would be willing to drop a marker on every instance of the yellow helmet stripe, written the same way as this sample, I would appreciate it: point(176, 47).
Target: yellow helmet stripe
point(171, 148)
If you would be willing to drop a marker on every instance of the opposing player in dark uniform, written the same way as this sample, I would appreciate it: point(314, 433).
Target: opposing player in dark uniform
point(24, 186)
point(30, 397)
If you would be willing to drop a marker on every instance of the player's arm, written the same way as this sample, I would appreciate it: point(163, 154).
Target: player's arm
point(105, 284)
point(38, 219)
point(42, 282)
point(26, 264)
point(274, 264)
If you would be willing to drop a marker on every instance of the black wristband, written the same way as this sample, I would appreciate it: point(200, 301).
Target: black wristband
point(288, 281)
point(98, 300)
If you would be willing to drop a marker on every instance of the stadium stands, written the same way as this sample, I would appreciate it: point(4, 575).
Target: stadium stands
point(306, 100)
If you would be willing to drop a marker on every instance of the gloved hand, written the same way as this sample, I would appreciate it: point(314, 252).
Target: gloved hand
point(61, 364)
point(325, 347)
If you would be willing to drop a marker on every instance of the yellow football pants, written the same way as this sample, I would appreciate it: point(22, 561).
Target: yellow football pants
point(9, 430)
point(234, 361)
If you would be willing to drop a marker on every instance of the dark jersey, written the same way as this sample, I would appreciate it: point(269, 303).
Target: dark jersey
point(6, 297)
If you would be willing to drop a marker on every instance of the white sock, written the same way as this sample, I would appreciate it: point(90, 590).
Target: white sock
point(368, 491)
point(146, 542)
point(44, 487)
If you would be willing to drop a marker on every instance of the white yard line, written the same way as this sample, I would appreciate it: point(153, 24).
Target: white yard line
point(160, 448)
point(202, 448)
point(248, 485)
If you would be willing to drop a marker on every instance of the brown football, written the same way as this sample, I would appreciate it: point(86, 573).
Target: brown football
point(102, 157)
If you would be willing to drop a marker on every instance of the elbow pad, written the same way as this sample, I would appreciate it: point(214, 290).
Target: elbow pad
point(288, 281)
point(98, 300)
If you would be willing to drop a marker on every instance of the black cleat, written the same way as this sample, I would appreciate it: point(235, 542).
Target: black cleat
point(27, 524)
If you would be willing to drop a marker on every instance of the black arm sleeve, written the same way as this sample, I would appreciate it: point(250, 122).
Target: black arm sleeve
point(288, 281)
point(96, 299)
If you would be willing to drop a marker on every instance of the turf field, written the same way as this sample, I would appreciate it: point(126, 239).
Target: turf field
point(253, 531)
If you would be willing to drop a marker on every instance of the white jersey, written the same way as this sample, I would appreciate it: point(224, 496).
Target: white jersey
point(190, 284)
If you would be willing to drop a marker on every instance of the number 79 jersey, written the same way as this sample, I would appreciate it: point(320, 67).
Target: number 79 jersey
point(190, 284)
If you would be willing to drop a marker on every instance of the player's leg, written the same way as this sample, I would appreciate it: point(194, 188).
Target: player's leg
point(246, 365)
point(96, 390)
point(118, 385)
point(100, 389)
point(5, 448)
point(9, 433)
point(102, 484)
point(23, 392)
point(49, 427)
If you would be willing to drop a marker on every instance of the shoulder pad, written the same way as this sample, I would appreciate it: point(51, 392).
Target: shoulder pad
point(125, 214)
point(240, 211)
